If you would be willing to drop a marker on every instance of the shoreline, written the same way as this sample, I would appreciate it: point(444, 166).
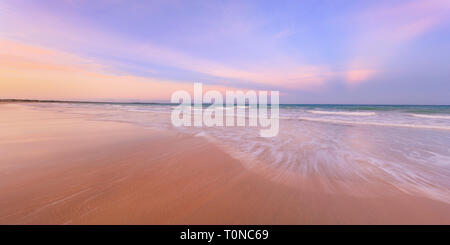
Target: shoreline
point(59, 168)
point(169, 103)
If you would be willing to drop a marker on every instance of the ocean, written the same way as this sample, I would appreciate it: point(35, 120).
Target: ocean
point(404, 146)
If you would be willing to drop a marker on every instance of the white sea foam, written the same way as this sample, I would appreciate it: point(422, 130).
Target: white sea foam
point(415, 161)
point(345, 113)
point(407, 125)
point(431, 116)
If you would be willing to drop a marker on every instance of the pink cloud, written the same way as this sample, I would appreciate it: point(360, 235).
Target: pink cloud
point(382, 30)
point(53, 32)
point(35, 72)
point(357, 76)
point(404, 21)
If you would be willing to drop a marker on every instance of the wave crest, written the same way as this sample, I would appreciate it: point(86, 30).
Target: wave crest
point(345, 113)
point(431, 116)
point(376, 123)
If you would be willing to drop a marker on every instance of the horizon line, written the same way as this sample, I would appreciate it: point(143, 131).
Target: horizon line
point(169, 103)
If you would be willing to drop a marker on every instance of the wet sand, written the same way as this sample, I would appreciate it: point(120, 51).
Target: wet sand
point(59, 168)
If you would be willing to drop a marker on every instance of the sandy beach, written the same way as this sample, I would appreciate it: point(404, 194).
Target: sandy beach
point(59, 168)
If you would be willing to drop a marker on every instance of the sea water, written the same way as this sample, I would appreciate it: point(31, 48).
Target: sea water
point(406, 146)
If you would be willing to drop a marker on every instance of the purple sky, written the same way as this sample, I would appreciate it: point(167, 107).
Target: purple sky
point(336, 51)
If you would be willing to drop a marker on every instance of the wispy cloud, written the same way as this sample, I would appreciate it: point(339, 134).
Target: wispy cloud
point(357, 76)
point(382, 30)
point(297, 48)
point(285, 74)
point(33, 72)
point(406, 20)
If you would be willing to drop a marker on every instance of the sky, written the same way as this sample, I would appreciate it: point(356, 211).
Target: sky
point(318, 51)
